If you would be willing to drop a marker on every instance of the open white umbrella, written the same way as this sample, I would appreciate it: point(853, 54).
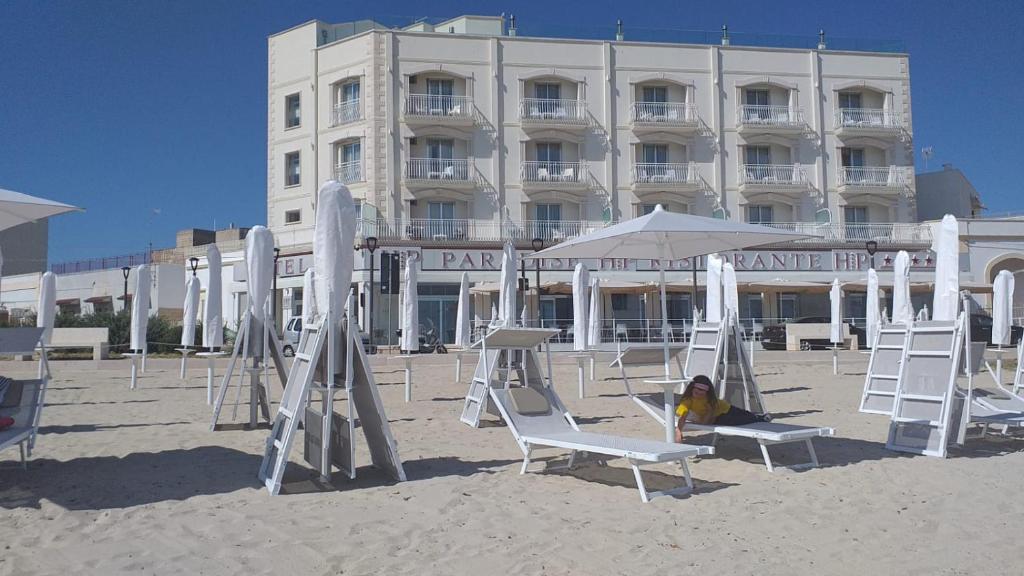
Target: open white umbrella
point(580, 283)
point(309, 311)
point(334, 235)
point(946, 245)
point(213, 319)
point(730, 293)
point(140, 309)
point(902, 309)
point(463, 329)
point(596, 312)
point(713, 300)
point(1002, 308)
point(410, 306)
point(17, 208)
point(873, 308)
point(190, 311)
point(46, 309)
point(259, 266)
point(507, 293)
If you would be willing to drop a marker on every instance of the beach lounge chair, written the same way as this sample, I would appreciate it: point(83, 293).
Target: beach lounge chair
point(539, 420)
point(23, 399)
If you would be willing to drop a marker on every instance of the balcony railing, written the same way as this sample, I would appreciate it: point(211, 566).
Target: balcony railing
point(348, 172)
point(101, 263)
point(886, 233)
point(874, 176)
point(437, 169)
point(553, 172)
point(770, 115)
point(345, 113)
point(769, 174)
point(439, 106)
point(551, 110)
point(873, 118)
point(657, 173)
point(663, 113)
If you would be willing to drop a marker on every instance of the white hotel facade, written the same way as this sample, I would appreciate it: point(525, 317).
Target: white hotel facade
point(458, 137)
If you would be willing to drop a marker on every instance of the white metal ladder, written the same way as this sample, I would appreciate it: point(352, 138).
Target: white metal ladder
point(1018, 378)
point(883, 370)
point(293, 402)
point(479, 386)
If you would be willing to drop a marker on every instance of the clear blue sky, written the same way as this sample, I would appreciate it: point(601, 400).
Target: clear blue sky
point(152, 115)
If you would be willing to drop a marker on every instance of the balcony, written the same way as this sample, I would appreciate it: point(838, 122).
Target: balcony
point(427, 230)
point(438, 173)
point(835, 233)
point(677, 117)
point(651, 176)
point(876, 122)
point(542, 175)
point(346, 113)
point(551, 113)
point(438, 109)
point(874, 178)
point(769, 119)
point(348, 172)
point(772, 178)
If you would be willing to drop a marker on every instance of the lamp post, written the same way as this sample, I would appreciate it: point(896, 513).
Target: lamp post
point(371, 246)
point(871, 246)
point(538, 245)
point(194, 263)
point(273, 305)
point(693, 292)
point(125, 270)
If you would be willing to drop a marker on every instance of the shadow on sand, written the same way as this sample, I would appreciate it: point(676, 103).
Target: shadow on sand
point(301, 479)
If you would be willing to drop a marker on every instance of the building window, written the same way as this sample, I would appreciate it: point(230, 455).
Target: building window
point(620, 302)
point(346, 103)
point(852, 157)
point(292, 216)
point(855, 214)
point(655, 154)
point(757, 155)
point(548, 90)
point(655, 94)
point(757, 97)
point(849, 100)
point(646, 209)
point(292, 167)
point(760, 214)
point(292, 111)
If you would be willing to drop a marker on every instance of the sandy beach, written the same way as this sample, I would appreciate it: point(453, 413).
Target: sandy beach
point(134, 482)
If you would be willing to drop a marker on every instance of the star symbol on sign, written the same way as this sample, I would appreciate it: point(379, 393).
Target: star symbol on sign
point(915, 260)
point(928, 261)
point(888, 260)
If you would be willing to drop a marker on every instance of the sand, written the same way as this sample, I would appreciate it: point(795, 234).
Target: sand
point(134, 482)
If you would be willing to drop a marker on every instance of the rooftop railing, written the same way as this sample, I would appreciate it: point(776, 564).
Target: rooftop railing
point(105, 263)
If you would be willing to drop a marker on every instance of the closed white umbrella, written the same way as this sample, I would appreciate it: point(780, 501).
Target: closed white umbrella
point(190, 311)
point(507, 293)
point(140, 309)
point(1002, 307)
point(309, 311)
point(596, 312)
point(836, 301)
point(873, 308)
point(580, 283)
point(494, 315)
point(946, 245)
point(463, 329)
point(213, 319)
point(259, 265)
point(334, 235)
point(410, 306)
point(17, 208)
point(730, 293)
point(46, 309)
point(713, 308)
point(902, 308)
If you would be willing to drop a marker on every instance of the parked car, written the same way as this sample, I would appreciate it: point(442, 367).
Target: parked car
point(293, 330)
point(774, 337)
point(981, 329)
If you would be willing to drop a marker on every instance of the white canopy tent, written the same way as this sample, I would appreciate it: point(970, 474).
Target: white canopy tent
point(507, 293)
point(410, 306)
point(873, 308)
point(902, 308)
point(46, 309)
point(946, 245)
point(580, 283)
point(713, 300)
point(663, 235)
point(213, 319)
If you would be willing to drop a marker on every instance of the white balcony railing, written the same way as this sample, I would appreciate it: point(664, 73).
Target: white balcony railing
point(544, 109)
point(656, 173)
point(345, 113)
point(885, 233)
point(768, 174)
point(439, 106)
point(437, 169)
point(872, 118)
point(770, 115)
point(348, 172)
point(663, 113)
point(553, 172)
point(874, 176)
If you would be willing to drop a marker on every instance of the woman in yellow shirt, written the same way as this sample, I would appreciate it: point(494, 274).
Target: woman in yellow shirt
point(700, 404)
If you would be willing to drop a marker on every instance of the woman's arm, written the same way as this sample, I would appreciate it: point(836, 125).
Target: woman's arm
point(679, 428)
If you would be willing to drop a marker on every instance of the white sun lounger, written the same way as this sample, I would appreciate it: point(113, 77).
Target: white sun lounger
point(538, 420)
point(769, 433)
point(25, 398)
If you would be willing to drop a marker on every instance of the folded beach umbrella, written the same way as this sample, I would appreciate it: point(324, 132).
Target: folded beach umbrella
point(334, 234)
point(730, 293)
point(946, 245)
point(507, 293)
point(309, 311)
point(463, 329)
point(410, 306)
point(213, 319)
point(190, 310)
point(140, 309)
point(873, 308)
point(46, 309)
point(17, 208)
point(902, 309)
point(494, 315)
point(1002, 307)
point(836, 300)
point(667, 236)
point(713, 307)
point(580, 283)
point(595, 317)
point(259, 264)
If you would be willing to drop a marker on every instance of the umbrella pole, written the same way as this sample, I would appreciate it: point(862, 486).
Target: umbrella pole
point(664, 319)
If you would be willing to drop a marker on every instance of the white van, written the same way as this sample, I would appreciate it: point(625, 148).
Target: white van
point(293, 331)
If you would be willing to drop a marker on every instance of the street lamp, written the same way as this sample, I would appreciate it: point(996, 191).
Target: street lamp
point(125, 270)
point(273, 305)
point(371, 245)
point(538, 245)
point(194, 263)
point(871, 246)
